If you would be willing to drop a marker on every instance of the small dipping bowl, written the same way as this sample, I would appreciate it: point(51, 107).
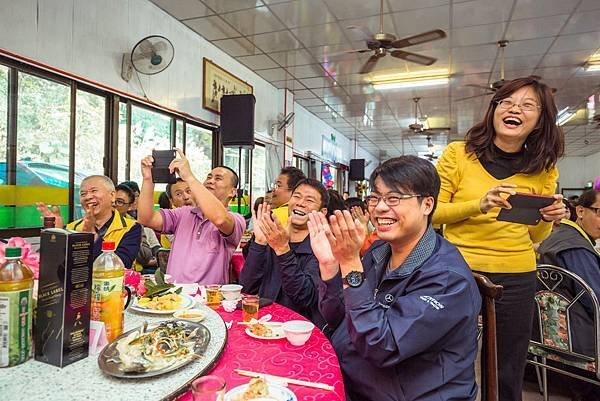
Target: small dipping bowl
point(230, 305)
point(231, 291)
point(297, 332)
point(191, 315)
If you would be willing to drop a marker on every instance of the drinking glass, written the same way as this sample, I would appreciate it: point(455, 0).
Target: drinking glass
point(213, 296)
point(208, 388)
point(250, 307)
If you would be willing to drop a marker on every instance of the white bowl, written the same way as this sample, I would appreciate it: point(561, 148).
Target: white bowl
point(229, 305)
point(231, 291)
point(297, 332)
point(191, 315)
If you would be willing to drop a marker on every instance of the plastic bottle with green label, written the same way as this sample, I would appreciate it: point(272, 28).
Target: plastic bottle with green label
point(16, 284)
point(107, 290)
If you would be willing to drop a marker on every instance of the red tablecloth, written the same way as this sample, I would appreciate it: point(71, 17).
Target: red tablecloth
point(314, 361)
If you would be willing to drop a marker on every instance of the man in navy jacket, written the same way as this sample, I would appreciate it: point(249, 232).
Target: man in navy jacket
point(405, 317)
point(280, 264)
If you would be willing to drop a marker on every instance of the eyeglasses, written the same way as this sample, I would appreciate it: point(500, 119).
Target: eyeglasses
point(391, 200)
point(121, 202)
point(506, 104)
point(596, 210)
point(275, 186)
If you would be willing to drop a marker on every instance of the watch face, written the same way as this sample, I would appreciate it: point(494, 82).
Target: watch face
point(354, 279)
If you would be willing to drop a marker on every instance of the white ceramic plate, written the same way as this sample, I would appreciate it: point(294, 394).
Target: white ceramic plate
point(276, 392)
point(186, 303)
point(277, 333)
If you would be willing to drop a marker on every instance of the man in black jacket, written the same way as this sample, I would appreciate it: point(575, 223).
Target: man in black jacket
point(280, 264)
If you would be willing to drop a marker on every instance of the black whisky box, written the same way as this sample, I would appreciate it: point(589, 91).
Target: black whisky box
point(62, 318)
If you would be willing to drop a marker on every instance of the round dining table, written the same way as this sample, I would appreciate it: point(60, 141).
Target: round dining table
point(314, 361)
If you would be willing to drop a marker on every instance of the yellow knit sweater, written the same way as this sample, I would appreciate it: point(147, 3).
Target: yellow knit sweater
point(487, 244)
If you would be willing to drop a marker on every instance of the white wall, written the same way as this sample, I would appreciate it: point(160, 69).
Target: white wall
point(88, 38)
point(575, 172)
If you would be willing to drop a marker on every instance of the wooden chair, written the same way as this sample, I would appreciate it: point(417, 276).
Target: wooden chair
point(490, 292)
point(559, 304)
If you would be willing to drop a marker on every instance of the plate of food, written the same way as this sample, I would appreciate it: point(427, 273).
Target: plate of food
point(260, 390)
point(163, 304)
point(151, 350)
point(265, 331)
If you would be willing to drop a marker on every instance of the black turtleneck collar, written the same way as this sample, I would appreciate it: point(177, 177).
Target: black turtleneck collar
point(505, 164)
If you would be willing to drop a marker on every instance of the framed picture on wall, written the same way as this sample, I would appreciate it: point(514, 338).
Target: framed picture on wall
point(217, 82)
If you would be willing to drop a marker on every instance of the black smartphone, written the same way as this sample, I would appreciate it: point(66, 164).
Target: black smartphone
point(525, 208)
point(160, 167)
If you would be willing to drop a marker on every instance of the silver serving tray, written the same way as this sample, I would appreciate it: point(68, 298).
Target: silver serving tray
point(109, 355)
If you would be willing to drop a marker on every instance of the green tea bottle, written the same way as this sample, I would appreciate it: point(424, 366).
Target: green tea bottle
point(16, 284)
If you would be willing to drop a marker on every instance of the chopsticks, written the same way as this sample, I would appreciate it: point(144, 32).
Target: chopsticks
point(321, 386)
point(273, 324)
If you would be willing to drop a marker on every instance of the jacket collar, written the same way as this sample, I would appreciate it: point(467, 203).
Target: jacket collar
point(578, 228)
point(419, 254)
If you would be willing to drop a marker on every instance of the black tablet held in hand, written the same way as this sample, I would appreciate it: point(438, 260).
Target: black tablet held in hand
point(525, 208)
point(160, 167)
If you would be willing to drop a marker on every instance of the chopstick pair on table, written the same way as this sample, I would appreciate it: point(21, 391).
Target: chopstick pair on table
point(273, 324)
point(286, 380)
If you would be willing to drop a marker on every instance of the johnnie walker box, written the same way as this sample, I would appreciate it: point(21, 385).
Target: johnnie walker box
point(63, 307)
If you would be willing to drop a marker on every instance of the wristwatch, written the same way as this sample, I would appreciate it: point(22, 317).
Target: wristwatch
point(354, 279)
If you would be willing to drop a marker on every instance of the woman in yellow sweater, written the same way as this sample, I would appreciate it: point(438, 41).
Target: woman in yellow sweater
point(514, 149)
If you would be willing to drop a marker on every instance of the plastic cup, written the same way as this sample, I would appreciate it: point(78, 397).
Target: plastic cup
point(213, 296)
point(208, 388)
point(250, 307)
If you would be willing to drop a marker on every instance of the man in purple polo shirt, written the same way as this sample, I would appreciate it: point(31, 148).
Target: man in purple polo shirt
point(206, 235)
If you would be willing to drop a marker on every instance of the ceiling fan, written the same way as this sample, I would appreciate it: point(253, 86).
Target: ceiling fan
point(431, 156)
point(492, 87)
point(418, 128)
point(383, 43)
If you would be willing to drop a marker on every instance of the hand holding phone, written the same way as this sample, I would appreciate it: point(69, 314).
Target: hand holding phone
point(525, 208)
point(160, 167)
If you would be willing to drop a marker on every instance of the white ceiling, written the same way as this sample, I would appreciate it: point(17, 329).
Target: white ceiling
point(288, 43)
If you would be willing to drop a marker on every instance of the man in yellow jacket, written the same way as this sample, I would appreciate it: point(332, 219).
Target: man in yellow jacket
point(97, 196)
point(282, 192)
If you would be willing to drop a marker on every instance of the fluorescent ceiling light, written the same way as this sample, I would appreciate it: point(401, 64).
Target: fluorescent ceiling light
point(410, 84)
point(592, 66)
point(410, 79)
point(564, 116)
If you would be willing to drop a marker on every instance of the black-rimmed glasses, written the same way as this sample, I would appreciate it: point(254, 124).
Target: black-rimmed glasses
point(391, 200)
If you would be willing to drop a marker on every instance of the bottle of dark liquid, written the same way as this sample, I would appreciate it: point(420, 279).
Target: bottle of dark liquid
point(49, 221)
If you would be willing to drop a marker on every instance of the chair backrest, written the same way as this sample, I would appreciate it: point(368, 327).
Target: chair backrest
point(563, 299)
point(162, 258)
point(490, 292)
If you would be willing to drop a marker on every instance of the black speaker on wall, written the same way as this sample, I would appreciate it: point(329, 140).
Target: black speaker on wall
point(237, 121)
point(357, 170)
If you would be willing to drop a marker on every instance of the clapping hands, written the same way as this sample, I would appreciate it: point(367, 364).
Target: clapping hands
point(336, 243)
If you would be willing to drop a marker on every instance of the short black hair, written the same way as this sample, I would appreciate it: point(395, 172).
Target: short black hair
point(294, 176)
point(127, 189)
point(587, 198)
point(311, 182)
point(132, 185)
point(355, 201)
point(170, 185)
point(163, 200)
point(336, 202)
point(409, 174)
point(236, 179)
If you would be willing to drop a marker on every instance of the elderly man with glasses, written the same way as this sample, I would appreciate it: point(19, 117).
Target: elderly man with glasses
point(124, 202)
point(97, 196)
